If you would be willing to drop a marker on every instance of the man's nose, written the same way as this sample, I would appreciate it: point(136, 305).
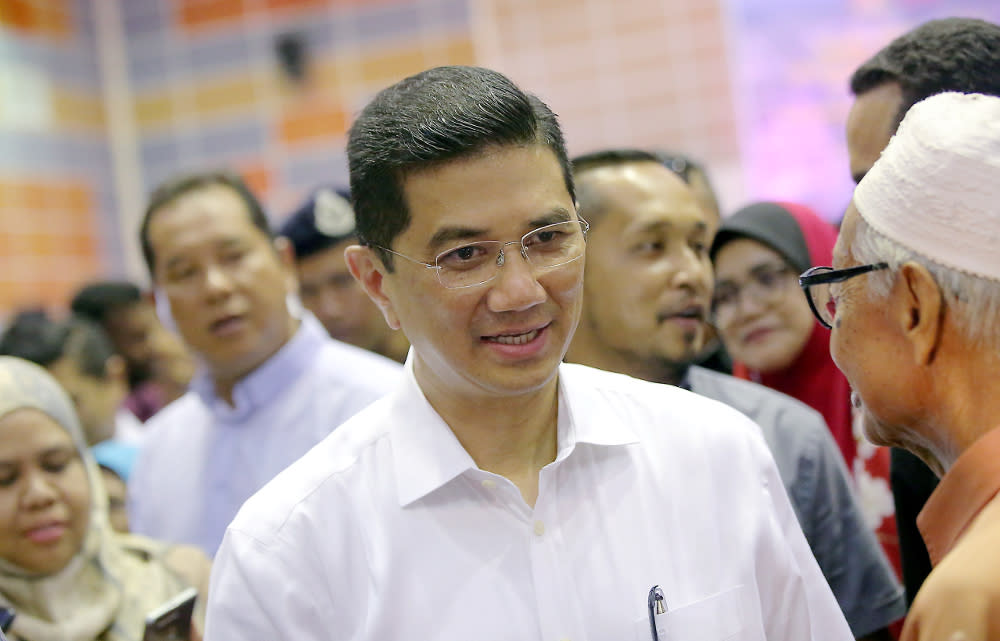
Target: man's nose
point(218, 280)
point(516, 287)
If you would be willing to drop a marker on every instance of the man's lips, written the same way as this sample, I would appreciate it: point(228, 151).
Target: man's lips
point(515, 337)
point(225, 324)
point(690, 312)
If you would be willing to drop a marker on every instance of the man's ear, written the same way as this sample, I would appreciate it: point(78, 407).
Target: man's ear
point(286, 254)
point(368, 270)
point(920, 310)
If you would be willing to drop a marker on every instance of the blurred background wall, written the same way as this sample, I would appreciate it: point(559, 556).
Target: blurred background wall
point(102, 99)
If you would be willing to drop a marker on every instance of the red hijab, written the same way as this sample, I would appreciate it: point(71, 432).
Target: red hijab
point(813, 378)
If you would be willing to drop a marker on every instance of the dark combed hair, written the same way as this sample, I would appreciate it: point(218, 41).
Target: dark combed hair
point(95, 301)
point(174, 188)
point(951, 54)
point(434, 117)
point(36, 337)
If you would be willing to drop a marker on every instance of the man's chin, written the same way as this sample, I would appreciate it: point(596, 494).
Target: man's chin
point(875, 431)
point(674, 367)
point(882, 433)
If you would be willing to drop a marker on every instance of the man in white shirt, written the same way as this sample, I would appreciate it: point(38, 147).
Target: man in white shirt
point(271, 383)
point(497, 494)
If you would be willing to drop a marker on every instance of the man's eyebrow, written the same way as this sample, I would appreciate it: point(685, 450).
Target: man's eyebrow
point(224, 244)
point(666, 225)
point(447, 235)
point(556, 215)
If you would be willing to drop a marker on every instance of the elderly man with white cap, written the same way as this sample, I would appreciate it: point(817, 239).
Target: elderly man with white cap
point(914, 304)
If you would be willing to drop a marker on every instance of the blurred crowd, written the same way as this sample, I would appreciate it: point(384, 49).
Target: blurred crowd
point(136, 423)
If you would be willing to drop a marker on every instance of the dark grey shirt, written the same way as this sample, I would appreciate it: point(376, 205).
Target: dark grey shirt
point(820, 491)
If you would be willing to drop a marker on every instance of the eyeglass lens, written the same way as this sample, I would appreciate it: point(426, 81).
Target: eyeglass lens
point(822, 302)
point(765, 282)
point(544, 248)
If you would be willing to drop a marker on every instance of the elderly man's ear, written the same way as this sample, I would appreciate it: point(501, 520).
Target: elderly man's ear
point(919, 310)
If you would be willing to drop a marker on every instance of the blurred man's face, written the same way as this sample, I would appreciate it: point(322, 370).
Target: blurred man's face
point(97, 400)
point(705, 197)
point(648, 281)
point(150, 350)
point(329, 291)
point(129, 327)
point(226, 281)
point(870, 125)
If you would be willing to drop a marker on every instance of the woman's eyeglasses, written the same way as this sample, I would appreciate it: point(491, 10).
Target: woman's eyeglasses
point(765, 283)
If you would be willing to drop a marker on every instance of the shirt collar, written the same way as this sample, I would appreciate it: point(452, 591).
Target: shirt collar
point(591, 418)
point(271, 377)
point(425, 452)
point(427, 455)
point(964, 491)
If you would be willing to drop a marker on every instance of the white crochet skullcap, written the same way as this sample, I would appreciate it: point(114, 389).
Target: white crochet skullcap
point(936, 187)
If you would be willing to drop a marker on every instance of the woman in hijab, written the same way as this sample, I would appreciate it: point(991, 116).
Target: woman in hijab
point(64, 572)
point(773, 338)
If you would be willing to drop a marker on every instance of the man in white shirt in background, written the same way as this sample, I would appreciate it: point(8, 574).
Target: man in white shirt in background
point(271, 382)
point(497, 493)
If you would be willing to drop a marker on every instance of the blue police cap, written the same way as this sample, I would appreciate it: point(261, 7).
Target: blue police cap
point(322, 221)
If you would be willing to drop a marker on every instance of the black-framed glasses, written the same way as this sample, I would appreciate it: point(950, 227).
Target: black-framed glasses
point(478, 263)
point(816, 283)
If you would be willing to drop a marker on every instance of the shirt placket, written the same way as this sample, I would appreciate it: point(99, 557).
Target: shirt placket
point(558, 616)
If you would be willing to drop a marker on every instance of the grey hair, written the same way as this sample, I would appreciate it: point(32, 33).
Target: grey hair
point(975, 299)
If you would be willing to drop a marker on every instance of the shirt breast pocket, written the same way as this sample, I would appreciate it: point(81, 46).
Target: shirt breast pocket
point(719, 617)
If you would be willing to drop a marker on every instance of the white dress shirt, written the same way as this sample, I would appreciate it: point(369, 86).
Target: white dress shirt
point(388, 530)
point(202, 458)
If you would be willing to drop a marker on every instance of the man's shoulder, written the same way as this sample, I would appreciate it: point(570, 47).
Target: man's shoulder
point(654, 410)
point(189, 410)
point(783, 418)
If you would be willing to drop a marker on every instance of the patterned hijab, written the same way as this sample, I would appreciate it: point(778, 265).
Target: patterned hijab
point(106, 590)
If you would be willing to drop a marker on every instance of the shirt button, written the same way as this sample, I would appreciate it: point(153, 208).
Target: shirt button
point(539, 528)
point(489, 484)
